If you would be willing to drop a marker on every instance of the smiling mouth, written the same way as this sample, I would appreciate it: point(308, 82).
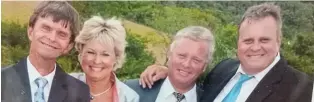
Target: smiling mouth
point(96, 69)
point(256, 56)
point(49, 45)
point(183, 73)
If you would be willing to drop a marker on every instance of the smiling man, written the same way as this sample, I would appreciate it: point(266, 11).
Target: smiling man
point(260, 74)
point(189, 54)
point(38, 78)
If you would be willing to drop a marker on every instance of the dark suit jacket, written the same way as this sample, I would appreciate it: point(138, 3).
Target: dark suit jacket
point(150, 95)
point(281, 84)
point(15, 86)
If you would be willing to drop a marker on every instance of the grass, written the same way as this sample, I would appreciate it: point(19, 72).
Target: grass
point(157, 42)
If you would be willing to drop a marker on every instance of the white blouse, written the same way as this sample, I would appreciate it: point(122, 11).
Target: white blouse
point(125, 93)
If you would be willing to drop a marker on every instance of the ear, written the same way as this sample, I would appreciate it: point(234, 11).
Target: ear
point(205, 67)
point(70, 46)
point(30, 32)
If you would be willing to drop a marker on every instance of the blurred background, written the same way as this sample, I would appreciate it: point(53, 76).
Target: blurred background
point(151, 24)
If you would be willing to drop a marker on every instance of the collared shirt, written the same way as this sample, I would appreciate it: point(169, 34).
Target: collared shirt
point(313, 94)
point(125, 93)
point(166, 93)
point(33, 74)
point(248, 86)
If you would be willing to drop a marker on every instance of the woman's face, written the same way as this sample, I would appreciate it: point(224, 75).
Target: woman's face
point(97, 60)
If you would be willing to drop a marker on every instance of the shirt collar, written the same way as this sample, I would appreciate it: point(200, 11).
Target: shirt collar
point(259, 76)
point(167, 89)
point(33, 74)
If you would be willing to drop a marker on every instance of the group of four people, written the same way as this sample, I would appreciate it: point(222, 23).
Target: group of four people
point(260, 74)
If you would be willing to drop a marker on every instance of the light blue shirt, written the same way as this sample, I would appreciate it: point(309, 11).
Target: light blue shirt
point(33, 74)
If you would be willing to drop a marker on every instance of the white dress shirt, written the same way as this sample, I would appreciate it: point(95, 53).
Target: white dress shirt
point(33, 74)
point(247, 86)
point(166, 93)
point(313, 94)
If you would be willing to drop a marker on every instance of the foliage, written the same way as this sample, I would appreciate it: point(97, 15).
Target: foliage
point(170, 16)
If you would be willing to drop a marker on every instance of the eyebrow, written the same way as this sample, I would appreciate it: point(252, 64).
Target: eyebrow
point(95, 51)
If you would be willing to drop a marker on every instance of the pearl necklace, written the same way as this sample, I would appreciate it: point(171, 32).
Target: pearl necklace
point(95, 95)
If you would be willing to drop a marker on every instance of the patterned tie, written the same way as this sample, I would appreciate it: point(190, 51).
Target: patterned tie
point(39, 94)
point(233, 94)
point(179, 96)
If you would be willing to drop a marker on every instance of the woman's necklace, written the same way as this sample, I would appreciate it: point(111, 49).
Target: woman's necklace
point(95, 95)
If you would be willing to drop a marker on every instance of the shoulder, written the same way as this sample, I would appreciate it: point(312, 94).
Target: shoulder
point(133, 84)
point(78, 75)
point(226, 63)
point(126, 93)
point(75, 82)
point(7, 69)
point(298, 75)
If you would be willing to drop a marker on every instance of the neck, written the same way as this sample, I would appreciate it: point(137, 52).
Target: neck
point(99, 85)
point(181, 87)
point(42, 65)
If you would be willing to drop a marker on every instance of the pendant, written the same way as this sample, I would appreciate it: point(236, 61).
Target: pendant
point(91, 97)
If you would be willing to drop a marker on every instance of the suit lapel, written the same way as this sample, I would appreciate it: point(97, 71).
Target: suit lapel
point(225, 79)
point(58, 91)
point(199, 93)
point(152, 94)
point(268, 83)
point(23, 86)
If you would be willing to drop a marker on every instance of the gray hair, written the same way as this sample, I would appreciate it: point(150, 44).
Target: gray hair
point(196, 33)
point(107, 31)
point(258, 12)
point(58, 10)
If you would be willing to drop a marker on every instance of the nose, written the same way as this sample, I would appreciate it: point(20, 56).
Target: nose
point(97, 59)
point(52, 36)
point(186, 63)
point(256, 47)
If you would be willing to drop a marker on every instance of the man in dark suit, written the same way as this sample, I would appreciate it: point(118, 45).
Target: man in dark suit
point(37, 78)
point(260, 74)
point(186, 64)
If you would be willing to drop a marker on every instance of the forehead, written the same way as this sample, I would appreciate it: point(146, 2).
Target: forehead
point(195, 47)
point(61, 25)
point(99, 45)
point(264, 27)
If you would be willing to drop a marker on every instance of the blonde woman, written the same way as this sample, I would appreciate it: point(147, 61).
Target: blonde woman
point(101, 46)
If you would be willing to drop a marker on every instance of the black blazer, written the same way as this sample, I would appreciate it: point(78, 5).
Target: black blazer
point(281, 84)
point(150, 95)
point(16, 88)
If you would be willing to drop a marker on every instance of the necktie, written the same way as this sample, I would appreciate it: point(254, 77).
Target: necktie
point(233, 94)
point(179, 96)
point(39, 94)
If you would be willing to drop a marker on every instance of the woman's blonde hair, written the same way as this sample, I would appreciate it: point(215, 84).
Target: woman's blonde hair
point(109, 31)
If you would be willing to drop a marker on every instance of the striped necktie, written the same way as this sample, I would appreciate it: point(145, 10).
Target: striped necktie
point(178, 96)
point(39, 94)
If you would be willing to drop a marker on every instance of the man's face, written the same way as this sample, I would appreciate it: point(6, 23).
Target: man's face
point(49, 39)
point(258, 44)
point(187, 61)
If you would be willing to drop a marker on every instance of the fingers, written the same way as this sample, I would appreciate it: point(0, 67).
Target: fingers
point(142, 79)
point(151, 74)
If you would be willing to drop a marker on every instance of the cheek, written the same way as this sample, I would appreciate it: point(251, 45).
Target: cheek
point(86, 61)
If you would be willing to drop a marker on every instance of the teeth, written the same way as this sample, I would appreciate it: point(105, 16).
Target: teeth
point(96, 69)
point(255, 56)
point(49, 46)
point(183, 73)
